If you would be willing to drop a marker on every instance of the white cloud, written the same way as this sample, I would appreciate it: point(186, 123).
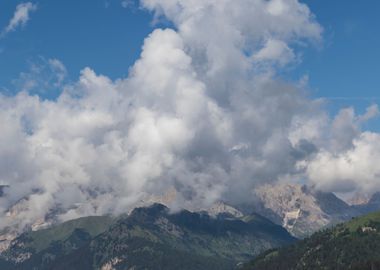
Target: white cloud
point(20, 17)
point(355, 169)
point(371, 112)
point(346, 127)
point(195, 114)
point(42, 76)
point(127, 3)
point(275, 51)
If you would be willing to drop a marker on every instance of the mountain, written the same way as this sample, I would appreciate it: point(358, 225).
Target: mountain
point(351, 245)
point(147, 238)
point(304, 210)
point(359, 198)
point(14, 216)
point(372, 205)
point(300, 209)
point(56, 240)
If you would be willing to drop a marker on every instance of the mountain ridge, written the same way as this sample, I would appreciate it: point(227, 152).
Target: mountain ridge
point(139, 239)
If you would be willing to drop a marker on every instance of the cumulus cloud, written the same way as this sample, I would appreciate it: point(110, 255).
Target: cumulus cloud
point(275, 50)
point(197, 114)
point(355, 169)
point(20, 17)
point(346, 161)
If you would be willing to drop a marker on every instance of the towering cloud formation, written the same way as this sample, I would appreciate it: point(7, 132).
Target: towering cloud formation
point(202, 111)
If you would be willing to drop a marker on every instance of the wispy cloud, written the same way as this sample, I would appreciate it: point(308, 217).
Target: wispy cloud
point(127, 3)
point(20, 17)
point(352, 98)
point(43, 76)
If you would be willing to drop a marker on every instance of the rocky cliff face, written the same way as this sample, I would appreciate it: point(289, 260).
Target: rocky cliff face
point(300, 209)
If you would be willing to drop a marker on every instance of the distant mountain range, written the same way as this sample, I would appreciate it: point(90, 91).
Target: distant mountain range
point(354, 245)
point(300, 209)
point(148, 238)
point(218, 237)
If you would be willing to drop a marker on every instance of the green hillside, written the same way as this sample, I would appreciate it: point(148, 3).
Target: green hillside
point(352, 245)
point(55, 241)
point(40, 240)
point(148, 238)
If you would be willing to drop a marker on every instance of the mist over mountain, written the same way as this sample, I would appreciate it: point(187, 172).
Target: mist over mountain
point(203, 111)
point(148, 238)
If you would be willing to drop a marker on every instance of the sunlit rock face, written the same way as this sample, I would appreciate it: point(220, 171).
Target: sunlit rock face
point(301, 210)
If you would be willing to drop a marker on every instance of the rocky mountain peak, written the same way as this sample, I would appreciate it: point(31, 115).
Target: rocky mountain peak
point(300, 209)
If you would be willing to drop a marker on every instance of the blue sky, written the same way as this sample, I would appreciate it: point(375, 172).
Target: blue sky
point(108, 37)
point(347, 68)
point(96, 33)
